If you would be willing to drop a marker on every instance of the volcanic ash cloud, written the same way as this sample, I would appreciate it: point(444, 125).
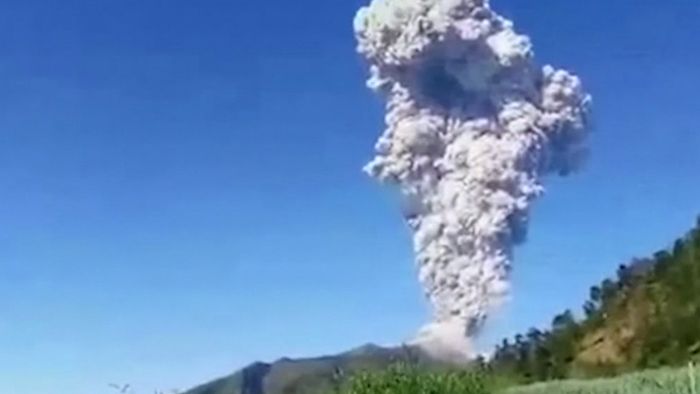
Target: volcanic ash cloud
point(472, 125)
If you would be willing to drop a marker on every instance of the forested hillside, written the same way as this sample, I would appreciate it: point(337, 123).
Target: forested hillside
point(647, 316)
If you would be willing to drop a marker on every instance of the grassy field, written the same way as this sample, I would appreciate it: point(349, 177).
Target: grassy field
point(406, 381)
point(663, 381)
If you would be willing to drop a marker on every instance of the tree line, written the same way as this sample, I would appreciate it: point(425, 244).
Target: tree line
point(648, 316)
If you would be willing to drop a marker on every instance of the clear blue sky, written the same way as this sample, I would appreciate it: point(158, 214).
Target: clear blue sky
point(180, 185)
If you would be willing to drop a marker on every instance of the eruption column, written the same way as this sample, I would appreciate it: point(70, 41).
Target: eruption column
point(472, 125)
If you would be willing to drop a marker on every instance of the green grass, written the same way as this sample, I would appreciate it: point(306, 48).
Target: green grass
point(663, 381)
point(406, 380)
point(403, 379)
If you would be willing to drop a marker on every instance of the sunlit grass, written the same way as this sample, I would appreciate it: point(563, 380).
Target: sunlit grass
point(663, 381)
point(404, 379)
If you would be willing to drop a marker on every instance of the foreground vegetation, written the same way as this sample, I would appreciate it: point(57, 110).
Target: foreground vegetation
point(404, 380)
point(663, 381)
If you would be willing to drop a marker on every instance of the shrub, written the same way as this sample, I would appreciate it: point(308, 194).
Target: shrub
point(404, 379)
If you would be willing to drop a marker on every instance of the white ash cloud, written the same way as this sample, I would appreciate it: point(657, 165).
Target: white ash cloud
point(472, 126)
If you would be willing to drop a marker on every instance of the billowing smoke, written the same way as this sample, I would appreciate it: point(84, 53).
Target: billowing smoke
point(472, 125)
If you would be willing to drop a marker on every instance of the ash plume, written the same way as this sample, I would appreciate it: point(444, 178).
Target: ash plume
point(472, 126)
